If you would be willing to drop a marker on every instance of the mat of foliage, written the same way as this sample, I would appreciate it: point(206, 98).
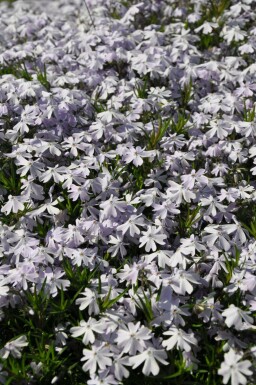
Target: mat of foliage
point(127, 192)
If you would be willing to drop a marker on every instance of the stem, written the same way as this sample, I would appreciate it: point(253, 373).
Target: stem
point(89, 13)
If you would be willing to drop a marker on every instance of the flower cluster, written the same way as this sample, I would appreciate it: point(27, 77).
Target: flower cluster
point(128, 190)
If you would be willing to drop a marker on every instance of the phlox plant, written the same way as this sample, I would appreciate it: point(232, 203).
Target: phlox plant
point(127, 192)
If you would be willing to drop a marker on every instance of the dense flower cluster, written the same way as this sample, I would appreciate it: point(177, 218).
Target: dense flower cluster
point(128, 159)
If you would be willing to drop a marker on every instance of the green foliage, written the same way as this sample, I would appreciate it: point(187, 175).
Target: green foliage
point(107, 302)
point(186, 94)
point(73, 209)
point(9, 178)
point(158, 133)
point(98, 106)
point(249, 114)
point(247, 217)
point(37, 320)
point(231, 264)
point(78, 276)
point(185, 225)
point(145, 305)
point(218, 7)
point(42, 78)
point(40, 314)
point(141, 89)
point(209, 41)
point(179, 124)
point(18, 70)
point(215, 9)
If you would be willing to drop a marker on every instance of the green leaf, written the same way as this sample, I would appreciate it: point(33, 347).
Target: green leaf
point(108, 303)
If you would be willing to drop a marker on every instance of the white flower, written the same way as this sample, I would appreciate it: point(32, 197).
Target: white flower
point(73, 143)
point(213, 206)
point(29, 165)
point(188, 181)
point(119, 369)
point(245, 90)
point(87, 329)
point(104, 378)
point(97, 356)
point(208, 309)
point(151, 237)
point(234, 369)
point(48, 206)
point(234, 33)
point(181, 281)
point(218, 128)
point(3, 288)
point(178, 258)
point(54, 281)
point(14, 205)
point(129, 273)
point(206, 27)
point(130, 225)
point(237, 231)
point(14, 347)
point(234, 316)
point(180, 338)
point(178, 192)
point(215, 234)
point(89, 299)
point(112, 206)
point(150, 358)
point(61, 336)
point(131, 338)
point(118, 246)
point(51, 146)
point(163, 257)
point(246, 48)
point(53, 172)
point(135, 155)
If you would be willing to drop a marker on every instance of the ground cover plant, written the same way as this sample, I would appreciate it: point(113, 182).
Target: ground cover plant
point(127, 192)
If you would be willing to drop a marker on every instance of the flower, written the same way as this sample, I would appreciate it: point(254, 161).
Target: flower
point(150, 357)
point(216, 235)
point(54, 281)
point(151, 237)
point(89, 300)
point(48, 206)
point(131, 338)
point(234, 33)
point(14, 347)
point(181, 281)
point(119, 367)
point(218, 128)
point(163, 257)
point(14, 204)
point(87, 330)
point(135, 155)
point(206, 27)
point(104, 378)
point(129, 273)
point(127, 183)
point(112, 207)
point(53, 172)
point(3, 287)
point(178, 193)
point(131, 225)
point(180, 338)
point(234, 369)
point(118, 246)
point(208, 309)
point(235, 316)
point(97, 356)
